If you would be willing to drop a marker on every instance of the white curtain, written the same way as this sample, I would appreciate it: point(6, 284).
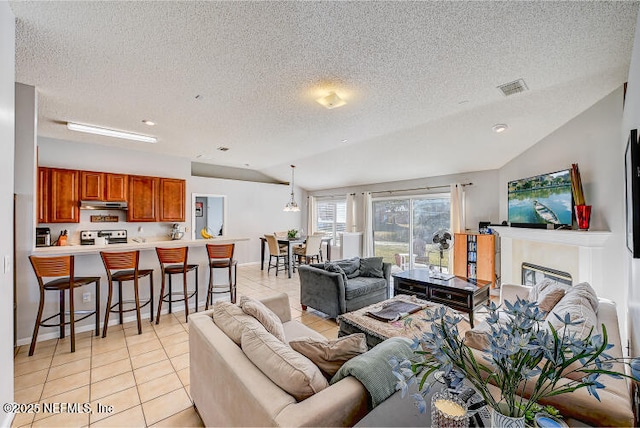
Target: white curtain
point(311, 215)
point(457, 208)
point(457, 215)
point(351, 213)
point(367, 236)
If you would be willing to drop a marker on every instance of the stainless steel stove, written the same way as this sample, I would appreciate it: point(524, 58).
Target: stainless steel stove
point(88, 237)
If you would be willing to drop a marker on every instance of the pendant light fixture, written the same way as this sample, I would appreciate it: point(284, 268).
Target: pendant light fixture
point(292, 205)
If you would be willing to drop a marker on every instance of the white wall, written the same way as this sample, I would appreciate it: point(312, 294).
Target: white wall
point(631, 120)
point(592, 139)
point(253, 209)
point(7, 123)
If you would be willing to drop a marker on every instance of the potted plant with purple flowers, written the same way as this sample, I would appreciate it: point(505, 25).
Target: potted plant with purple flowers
point(523, 352)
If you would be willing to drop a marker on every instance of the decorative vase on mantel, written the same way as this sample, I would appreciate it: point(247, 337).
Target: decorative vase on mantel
point(583, 216)
point(499, 419)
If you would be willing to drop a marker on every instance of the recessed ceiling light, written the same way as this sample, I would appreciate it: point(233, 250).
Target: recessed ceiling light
point(148, 122)
point(110, 133)
point(331, 101)
point(499, 127)
point(344, 141)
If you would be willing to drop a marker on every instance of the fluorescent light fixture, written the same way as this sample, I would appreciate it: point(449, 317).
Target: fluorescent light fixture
point(331, 101)
point(110, 133)
point(498, 128)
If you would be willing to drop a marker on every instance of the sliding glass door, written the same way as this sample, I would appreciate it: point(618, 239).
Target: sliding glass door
point(403, 230)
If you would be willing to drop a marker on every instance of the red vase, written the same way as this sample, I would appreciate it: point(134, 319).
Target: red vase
point(583, 216)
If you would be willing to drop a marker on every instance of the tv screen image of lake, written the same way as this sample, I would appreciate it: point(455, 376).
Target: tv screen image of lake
point(541, 200)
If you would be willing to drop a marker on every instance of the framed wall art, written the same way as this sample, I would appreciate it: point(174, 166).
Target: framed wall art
point(632, 181)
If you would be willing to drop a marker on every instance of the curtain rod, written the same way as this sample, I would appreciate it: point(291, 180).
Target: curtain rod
point(420, 188)
point(331, 196)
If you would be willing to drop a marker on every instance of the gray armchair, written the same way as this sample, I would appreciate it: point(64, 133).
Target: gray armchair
point(334, 294)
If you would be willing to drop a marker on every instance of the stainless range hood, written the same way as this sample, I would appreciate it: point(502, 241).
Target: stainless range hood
point(101, 205)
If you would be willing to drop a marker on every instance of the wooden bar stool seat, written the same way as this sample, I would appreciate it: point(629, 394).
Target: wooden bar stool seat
point(221, 257)
point(62, 268)
point(173, 261)
point(126, 266)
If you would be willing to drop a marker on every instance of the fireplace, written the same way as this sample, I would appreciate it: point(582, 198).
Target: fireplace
point(533, 274)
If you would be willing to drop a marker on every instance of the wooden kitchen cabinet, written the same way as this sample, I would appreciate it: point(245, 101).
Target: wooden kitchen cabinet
point(92, 186)
point(42, 198)
point(474, 256)
point(172, 199)
point(143, 198)
point(116, 187)
point(64, 193)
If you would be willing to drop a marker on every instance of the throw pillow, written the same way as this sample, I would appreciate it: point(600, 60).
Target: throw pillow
point(351, 267)
point(588, 293)
point(334, 267)
point(232, 320)
point(288, 369)
point(371, 267)
point(266, 316)
point(550, 296)
point(579, 309)
point(330, 355)
point(535, 291)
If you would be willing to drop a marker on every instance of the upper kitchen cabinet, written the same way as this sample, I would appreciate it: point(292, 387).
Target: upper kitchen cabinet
point(42, 201)
point(172, 199)
point(116, 188)
point(92, 186)
point(143, 198)
point(64, 193)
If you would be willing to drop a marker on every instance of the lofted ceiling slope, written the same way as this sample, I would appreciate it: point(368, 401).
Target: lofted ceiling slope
point(419, 79)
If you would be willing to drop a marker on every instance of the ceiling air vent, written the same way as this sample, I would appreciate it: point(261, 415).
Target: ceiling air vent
point(514, 87)
point(223, 149)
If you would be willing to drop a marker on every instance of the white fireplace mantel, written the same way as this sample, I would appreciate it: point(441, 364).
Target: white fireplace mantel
point(579, 238)
point(586, 246)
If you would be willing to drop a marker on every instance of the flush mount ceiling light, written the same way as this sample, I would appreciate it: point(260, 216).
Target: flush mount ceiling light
point(292, 204)
point(149, 122)
point(331, 101)
point(110, 133)
point(499, 127)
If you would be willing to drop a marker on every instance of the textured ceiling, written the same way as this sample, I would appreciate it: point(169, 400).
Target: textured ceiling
point(419, 77)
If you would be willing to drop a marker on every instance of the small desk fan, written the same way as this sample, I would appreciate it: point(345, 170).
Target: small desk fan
point(444, 240)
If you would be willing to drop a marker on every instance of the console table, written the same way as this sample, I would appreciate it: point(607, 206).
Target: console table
point(458, 293)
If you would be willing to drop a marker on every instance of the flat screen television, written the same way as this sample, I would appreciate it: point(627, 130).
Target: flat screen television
point(541, 200)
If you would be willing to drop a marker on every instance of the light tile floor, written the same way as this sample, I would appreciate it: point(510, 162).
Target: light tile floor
point(143, 378)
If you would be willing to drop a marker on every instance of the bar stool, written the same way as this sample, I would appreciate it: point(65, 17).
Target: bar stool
point(62, 267)
point(126, 265)
point(221, 257)
point(170, 257)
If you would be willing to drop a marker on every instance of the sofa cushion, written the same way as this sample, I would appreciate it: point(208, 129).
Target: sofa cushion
point(478, 336)
point(294, 330)
point(290, 370)
point(351, 267)
point(541, 286)
point(371, 267)
point(330, 355)
point(549, 297)
point(362, 285)
point(232, 320)
point(266, 316)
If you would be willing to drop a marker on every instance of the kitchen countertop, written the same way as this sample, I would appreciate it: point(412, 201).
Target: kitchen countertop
point(129, 246)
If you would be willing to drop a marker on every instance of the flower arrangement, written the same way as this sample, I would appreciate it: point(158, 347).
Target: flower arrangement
point(521, 352)
point(292, 233)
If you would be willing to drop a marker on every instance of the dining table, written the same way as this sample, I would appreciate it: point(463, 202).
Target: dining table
point(290, 242)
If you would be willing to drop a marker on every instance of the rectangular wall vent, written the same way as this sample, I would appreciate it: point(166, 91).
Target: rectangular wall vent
point(514, 87)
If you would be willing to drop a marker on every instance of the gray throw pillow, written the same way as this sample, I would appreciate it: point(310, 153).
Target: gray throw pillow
point(371, 267)
point(333, 267)
point(351, 267)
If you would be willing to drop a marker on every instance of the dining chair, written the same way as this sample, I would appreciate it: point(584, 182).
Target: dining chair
point(62, 268)
point(310, 251)
point(221, 257)
point(279, 253)
point(126, 267)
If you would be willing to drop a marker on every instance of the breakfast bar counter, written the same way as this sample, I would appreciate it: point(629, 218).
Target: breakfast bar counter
point(131, 246)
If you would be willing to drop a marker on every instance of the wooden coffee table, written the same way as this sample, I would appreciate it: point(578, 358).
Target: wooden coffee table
point(457, 293)
point(378, 331)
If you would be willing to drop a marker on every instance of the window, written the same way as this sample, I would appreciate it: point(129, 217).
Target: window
point(403, 230)
point(331, 217)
